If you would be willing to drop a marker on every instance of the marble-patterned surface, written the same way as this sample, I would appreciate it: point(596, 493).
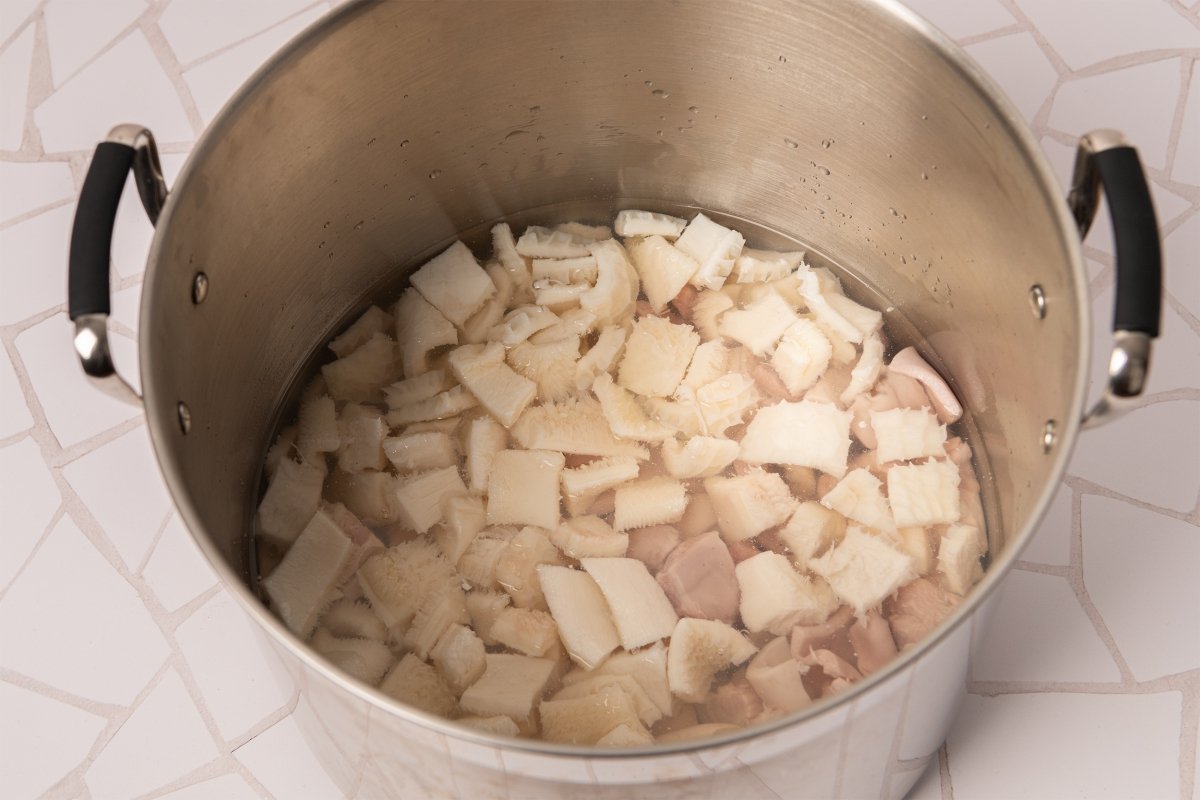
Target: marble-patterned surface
point(143, 680)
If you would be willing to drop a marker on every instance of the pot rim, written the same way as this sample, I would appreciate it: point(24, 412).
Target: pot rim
point(163, 424)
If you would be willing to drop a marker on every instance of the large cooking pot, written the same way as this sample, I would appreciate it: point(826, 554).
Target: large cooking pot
point(390, 127)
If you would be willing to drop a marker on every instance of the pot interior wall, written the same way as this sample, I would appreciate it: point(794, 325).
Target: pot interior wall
point(403, 123)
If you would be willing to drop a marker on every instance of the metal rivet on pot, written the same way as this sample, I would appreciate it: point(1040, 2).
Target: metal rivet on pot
point(1037, 300)
point(1049, 435)
point(199, 288)
point(185, 417)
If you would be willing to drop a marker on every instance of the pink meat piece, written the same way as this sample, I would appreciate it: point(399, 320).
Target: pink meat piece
point(652, 545)
point(832, 634)
point(685, 301)
point(734, 703)
point(916, 609)
point(908, 392)
point(698, 577)
point(777, 677)
point(872, 641)
point(768, 380)
point(742, 550)
point(909, 362)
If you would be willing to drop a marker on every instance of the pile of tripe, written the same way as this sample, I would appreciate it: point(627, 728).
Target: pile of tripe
point(616, 492)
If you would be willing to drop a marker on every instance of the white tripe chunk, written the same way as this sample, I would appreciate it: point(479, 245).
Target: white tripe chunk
point(724, 402)
point(475, 329)
point(863, 569)
point(907, 433)
point(746, 505)
point(414, 682)
point(639, 607)
point(656, 357)
point(572, 324)
point(810, 531)
point(581, 485)
point(698, 456)
point(566, 270)
point(866, 371)
point(594, 233)
point(419, 498)
point(648, 223)
point(415, 389)
point(804, 434)
point(292, 496)
point(761, 266)
point(647, 710)
point(539, 242)
point(361, 375)
point(663, 269)
point(504, 248)
point(924, 494)
point(625, 417)
point(842, 351)
point(374, 320)
point(510, 686)
point(587, 719)
point(364, 659)
point(585, 624)
point(617, 283)
point(709, 362)
point(523, 488)
point(299, 587)
point(818, 304)
point(460, 657)
point(652, 501)
point(463, 517)
point(681, 416)
point(485, 438)
point(397, 580)
point(449, 403)
point(760, 324)
point(714, 246)
point(481, 368)
point(559, 297)
point(415, 452)
point(866, 320)
point(454, 283)
point(802, 356)
point(601, 357)
point(361, 429)
point(526, 630)
point(552, 366)
point(441, 608)
point(859, 496)
point(707, 311)
point(774, 597)
point(589, 536)
point(700, 648)
point(958, 558)
point(420, 328)
point(316, 426)
point(371, 496)
point(573, 426)
point(521, 323)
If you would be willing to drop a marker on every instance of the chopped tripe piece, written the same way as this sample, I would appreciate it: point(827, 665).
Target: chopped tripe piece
point(572, 323)
point(918, 607)
point(414, 682)
point(581, 613)
point(485, 438)
point(859, 496)
point(552, 366)
point(907, 433)
point(581, 485)
point(866, 371)
point(804, 434)
point(625, 735)
point(374, 320)
point(516, 569)
point(565, 270)
point(444, 606)
point(280, 451)
point(924, 494)
point(918, 543)
point(503, 726)
point(958, 558)
point(724, 402)
point(559, 297)
point(449, 403)
point(601, 357)
point(647, 666)
point(594, 233)
point(681, 416)
point(363, 541)
point(525, 630)
point(762, 266)
point(774, 597)
point(698, 457)
point(631, 222)
point(365, 659)
point(481, 369)
point(292, 496)
point(521, 323)
point(863, 569)
point(475, 329)
point(572, 426)
point(360, 375)
point(760, 324)
point(841, 350)
point(415, 452)
point(707, 311)
point(709, 362)
point(588, 536)
point(460, 656)
point(414, 390)
point(316, 426)
point(538, 242)
point(462, 519)
point(454, 283)
point(483, 606)
point(802, 356)
point(652, 501)
point(714, 246)
point(510, 686)
point(397, 580)
point(700, 648)
point(909, 363)
point(810, 531)
point(616, 287)
point(584, 720)
point(657, 355)
point(640, 609)
point(625, 417)
point(866, 320)
point(504, 247)
point(647, 710)
point(419, 498)
point(350, 620)
point(371, 496)
point(746, 505)
point(523, 488)
point(818, 304)
point(300, 586)
point(663, 269)
point(361, 430)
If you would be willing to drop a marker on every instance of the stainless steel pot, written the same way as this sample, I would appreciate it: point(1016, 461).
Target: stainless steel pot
point(390, 127)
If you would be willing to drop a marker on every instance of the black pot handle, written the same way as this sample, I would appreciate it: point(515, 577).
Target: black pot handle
point(127, 146)
point(1105, 162)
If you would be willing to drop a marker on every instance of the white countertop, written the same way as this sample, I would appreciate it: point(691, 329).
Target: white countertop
point(143, 678)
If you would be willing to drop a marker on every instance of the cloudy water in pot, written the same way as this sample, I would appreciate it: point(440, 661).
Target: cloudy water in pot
point(645, 478)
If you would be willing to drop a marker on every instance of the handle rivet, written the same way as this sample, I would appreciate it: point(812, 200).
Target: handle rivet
point(1037, 300)
point(199, 288)
point(1049, 435)
point(185, 417)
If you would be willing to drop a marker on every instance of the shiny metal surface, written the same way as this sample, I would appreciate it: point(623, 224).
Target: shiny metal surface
point(1085, 193)
point(91, 345)
point(1127, 369)
point(377, 136)
point(147, 171)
